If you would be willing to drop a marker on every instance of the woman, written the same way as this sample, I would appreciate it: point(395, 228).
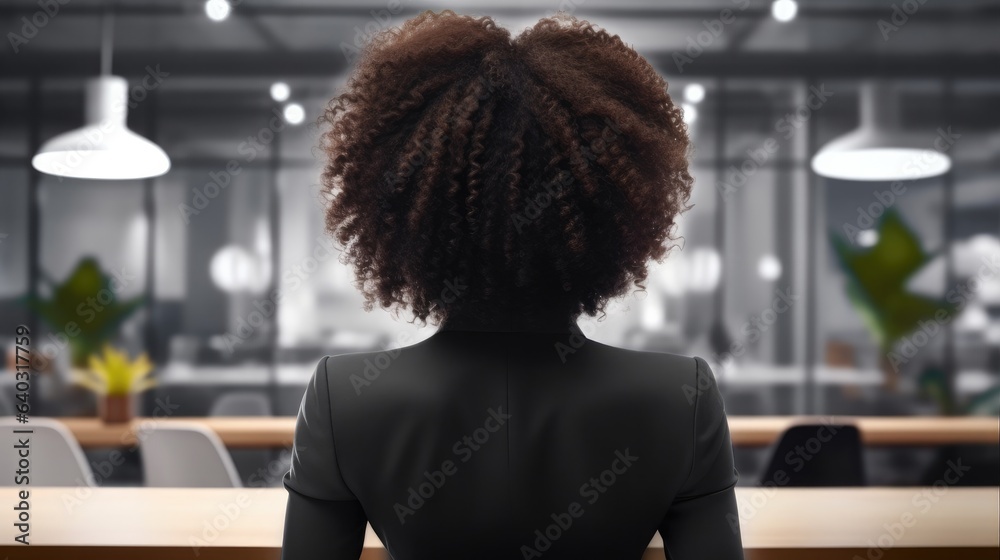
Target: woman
point(501, 187)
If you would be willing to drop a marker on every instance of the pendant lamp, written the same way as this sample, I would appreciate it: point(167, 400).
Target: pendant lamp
point(104, 148)
point(879, 150)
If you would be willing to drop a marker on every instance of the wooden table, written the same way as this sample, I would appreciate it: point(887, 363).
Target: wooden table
point(747, 431)
point(235, 432)
point(246, 524)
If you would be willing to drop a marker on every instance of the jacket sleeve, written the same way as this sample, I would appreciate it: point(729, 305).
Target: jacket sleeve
point(323, 519)
point(703, 521)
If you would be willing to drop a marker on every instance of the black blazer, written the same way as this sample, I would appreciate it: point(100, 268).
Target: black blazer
point(506, 445)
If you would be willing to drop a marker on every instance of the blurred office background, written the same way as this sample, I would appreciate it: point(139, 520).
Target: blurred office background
point(809, 294)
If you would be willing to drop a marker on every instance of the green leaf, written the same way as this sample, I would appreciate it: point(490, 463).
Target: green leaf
point(86, 301)
point(876, 279)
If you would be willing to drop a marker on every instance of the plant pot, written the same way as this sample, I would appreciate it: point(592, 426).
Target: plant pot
point(115, 409)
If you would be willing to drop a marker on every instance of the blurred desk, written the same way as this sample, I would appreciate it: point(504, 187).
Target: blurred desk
point(753, 374)
point(234, 431)
point(246, 524)
point(747, 431)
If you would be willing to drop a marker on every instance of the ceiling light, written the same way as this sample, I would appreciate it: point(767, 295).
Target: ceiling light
point(294, 113)
point(217, 10)
point(694, 92)
point(280, 91)
point(784, 10)
point(878, 150)
point(104, 148)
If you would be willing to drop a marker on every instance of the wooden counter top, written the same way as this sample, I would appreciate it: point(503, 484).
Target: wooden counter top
point(246, 524)
point(747, 431)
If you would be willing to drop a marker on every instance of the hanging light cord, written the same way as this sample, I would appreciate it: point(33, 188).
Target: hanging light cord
point(107, 39)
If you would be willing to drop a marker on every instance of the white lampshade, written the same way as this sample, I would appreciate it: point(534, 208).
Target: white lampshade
point(104, 148)
point(878, 150)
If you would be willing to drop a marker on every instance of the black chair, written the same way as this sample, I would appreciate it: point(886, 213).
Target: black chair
point(964, 465)
point(817, 455)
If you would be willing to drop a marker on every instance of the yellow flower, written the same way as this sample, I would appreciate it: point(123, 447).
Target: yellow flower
point(115, 374)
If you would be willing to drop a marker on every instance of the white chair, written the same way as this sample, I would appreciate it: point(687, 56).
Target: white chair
point(187, 456)
point(54, 456)
point(246, 403)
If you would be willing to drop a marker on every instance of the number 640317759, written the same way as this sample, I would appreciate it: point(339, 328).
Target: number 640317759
point(22, 367)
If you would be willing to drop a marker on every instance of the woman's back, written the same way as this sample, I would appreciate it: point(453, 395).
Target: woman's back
point(479, 444)
point(497, 185)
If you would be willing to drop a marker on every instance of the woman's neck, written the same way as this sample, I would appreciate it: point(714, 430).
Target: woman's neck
point(512, 320)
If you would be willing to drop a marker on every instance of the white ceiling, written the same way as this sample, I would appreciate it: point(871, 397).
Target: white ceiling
point(835, 26)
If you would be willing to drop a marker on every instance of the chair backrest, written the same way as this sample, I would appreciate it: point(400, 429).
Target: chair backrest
point(242, 404)
point(55, 457)
point(817, 455)
point(185, 455)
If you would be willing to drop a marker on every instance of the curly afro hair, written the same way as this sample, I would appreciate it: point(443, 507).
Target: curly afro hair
point(469, 172)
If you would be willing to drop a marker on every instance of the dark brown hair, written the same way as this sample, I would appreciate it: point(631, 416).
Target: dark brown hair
point(472, 172)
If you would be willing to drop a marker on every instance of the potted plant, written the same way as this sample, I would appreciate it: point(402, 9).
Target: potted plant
point(86, 308)
point(115, 379)
point(876, 281)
